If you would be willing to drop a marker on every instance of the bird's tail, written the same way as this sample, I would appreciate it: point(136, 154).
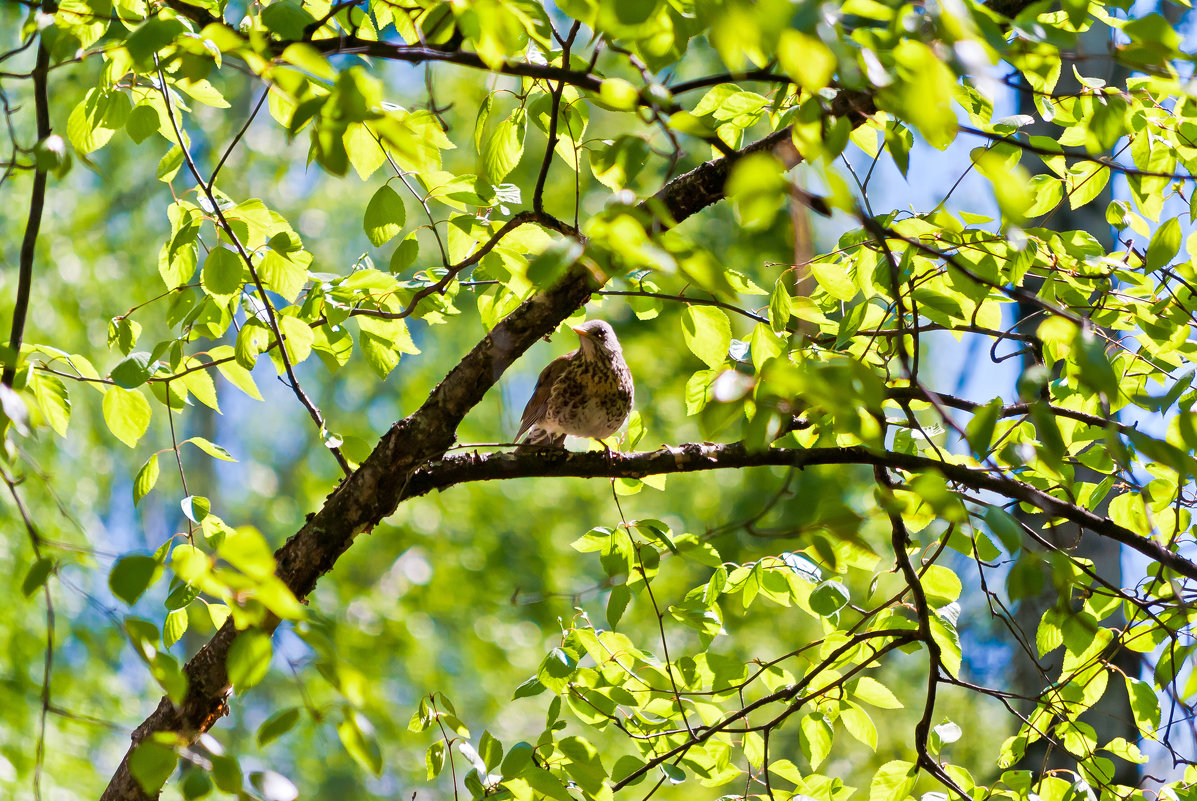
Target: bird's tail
point(538, 440)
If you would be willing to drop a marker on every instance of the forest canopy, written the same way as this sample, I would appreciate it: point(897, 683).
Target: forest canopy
point(902, 508)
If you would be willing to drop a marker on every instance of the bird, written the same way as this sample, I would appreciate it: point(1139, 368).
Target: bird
point(587, 393)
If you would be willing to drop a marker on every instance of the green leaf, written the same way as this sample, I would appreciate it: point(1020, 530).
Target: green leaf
point(834, 279)
point(874, 692)
point(1145, 704)
point(196, 508)
point(145, 479)
point(176, 265)
point(127, 414)
point(779, 307)
point(357, 735)
point(941, 585)
point(286, 274)
point(944, 633)
point(1050, 437)
point(1005, 527)
point(143, 122)
point(1048, 635)
point(1165, 244)
point(166, 671)
point(815, 741)
point(379, 354)
point(132, 575)
point(1085, 181)
point(979, 430)
point(385, 216)
point(617, 604)
point(618, 94)
point(175, 627)
point(616, 164)
point(893, 781)
point(210, 448)
point(288, 19)
point(249, 659)
point(169, 165)
point(277, 725)
point(490, 751)
point(248, 551)
point(922, 94)
point(132, 371)
point(806, 59)
point(502, 151)
point(151, 36)
point(37, 575)
point(200, 384)
point(405, 254)
point(1047, 192)
point(1095, 370)
point(434, 759)
point(828, 598)
point(226, 771)
point(194, 785)
point(707, 332)
point(151, 764)
point(757, 187)
point(552, 262)
point(298, 338)
point(859, 725)
point(53, 399)
point(585, 766)
point(697, 389)
point(100, 114)
point(363, 150)
point(222, 274)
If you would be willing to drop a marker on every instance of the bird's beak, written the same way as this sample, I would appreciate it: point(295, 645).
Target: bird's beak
point(582, 332)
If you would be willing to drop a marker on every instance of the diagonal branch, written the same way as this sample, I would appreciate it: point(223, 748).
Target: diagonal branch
point(375, 489)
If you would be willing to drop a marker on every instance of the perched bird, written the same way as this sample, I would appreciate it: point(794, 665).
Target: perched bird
point(587, 393)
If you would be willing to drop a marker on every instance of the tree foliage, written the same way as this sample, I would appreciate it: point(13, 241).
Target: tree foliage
point(811, 606)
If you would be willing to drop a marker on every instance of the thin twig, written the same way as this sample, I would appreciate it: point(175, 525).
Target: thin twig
point(272, 319)
point(538, 194)
point(37, 201)
point(236, 139)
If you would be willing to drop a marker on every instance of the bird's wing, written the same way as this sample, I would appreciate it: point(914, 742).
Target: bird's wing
point(539, 402)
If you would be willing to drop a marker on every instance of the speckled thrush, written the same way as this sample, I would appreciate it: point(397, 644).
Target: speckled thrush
point(587, 393)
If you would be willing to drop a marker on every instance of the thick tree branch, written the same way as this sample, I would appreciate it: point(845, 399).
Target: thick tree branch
point(692, 457)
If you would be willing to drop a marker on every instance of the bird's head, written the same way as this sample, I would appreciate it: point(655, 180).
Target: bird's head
point(597, 338)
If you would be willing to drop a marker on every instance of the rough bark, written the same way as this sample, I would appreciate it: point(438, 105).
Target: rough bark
point(373, 491)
